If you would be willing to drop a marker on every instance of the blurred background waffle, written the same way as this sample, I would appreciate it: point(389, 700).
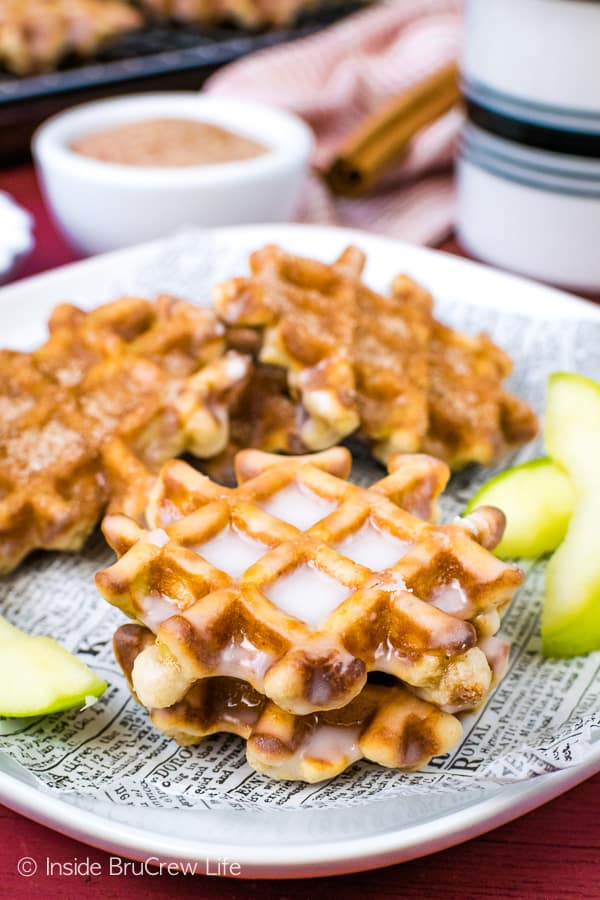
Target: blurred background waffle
point(152, 52)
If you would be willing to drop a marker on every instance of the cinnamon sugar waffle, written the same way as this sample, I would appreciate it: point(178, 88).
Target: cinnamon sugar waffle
point(390, 355)
point(300, 583)
point(384, 723)
point(355, 358)
point(111, 395)
point(263, 415)
point(305, 313)
point(472, 418)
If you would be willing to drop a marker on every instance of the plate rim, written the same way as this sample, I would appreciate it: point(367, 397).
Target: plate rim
point(16, 254)
point(563, 299)
point(341, 855)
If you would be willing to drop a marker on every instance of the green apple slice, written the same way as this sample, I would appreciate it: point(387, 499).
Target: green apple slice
point(38, 676)
point(7, 630)
point(537, 499)
point(571, 615)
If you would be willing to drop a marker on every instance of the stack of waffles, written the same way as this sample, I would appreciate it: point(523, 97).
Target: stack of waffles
point(87, 420)
point(334, 357)
point(321, 621)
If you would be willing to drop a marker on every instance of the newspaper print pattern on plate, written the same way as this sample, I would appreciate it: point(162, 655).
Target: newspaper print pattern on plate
point(544, 715)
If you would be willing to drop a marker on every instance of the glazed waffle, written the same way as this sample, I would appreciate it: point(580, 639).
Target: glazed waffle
point(356, 359)
point(111, 395)
point(301, 583)
point(384, 724)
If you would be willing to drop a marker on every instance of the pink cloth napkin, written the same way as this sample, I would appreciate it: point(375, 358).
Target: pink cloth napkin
point(337, 77)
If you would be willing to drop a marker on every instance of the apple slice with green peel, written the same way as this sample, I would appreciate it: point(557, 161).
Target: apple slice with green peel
point(38, 676)
point(537, 499)
point(571, 615)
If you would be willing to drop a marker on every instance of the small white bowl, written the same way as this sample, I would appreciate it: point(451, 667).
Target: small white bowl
point(103, 206)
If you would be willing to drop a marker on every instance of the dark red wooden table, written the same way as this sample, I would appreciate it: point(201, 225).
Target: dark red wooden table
point(551, 854)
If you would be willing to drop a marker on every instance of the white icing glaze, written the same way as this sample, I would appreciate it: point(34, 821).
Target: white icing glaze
point(320, 688)
point(163, 511)
point(497, 652)
point(452, 599)
point(232, 551)
point(155, 609)
point(476, 522)
point(372, 547)
point(330, 742)
point(241, 659)
point(308, 594)
point(235, 366)
point(158, 537)
point(390, 581)
point(384, 654)
point(297, 505)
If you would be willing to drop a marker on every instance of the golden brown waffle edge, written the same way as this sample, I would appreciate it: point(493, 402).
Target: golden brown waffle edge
point(89, 417)
point(428, 619)
point(344, 358)
point(384, 724)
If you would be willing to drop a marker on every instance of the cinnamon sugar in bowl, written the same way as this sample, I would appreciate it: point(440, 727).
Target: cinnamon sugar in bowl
point(121, 171)
point(168, 143)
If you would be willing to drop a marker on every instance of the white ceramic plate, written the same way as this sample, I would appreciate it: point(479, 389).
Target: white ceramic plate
point(16, 238)
point(281, 843)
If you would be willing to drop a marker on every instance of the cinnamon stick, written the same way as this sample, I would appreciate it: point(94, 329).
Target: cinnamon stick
point(384, 135)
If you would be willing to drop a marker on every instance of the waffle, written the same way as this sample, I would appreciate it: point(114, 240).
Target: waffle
point(98, 408)
point(276, 583)
point(246, 13)
point(350, 357)
point(358, 360)
point(384, 724)
point(262, 416)
point(472, 418)
point(36, 35)
point(305, 312)
point(390, 355)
